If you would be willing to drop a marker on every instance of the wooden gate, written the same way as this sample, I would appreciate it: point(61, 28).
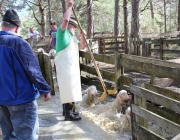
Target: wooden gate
point(157, 108)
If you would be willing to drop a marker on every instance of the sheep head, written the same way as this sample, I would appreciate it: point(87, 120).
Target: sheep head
point(92, 92)
point(121, 99)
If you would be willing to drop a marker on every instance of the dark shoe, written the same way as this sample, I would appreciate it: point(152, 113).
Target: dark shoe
point(69, 116)
point(75, 113)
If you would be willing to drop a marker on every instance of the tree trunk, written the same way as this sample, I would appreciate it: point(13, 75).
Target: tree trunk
point(126, 27)
point(90, 30)
point(43, 18)
point(178, 16)
point(152, 9)
point(1, 7)
point(49, 11)
point(116, 20)
point(63, 6)
point(135, 28)
point(165, 28)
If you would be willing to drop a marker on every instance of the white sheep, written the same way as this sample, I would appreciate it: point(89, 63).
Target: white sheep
point(117, 105)
point(112, 110)
point(52, 54)
point(89, 96)
point(40, 50)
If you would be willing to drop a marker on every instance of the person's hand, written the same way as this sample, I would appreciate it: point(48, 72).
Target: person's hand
point(42, 37)
point(70, 3)
point(83, 32)
point(47, 96)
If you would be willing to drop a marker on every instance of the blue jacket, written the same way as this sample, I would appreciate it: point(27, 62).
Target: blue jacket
point(21, 79)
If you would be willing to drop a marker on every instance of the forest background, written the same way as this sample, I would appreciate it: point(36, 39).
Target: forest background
point(130, 17)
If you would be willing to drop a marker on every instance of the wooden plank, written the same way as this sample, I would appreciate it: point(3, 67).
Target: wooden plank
point(105, 74)
point(98, 57)
point(98, 85)
point(156, 98)
point(169, 114)
point(152, 68)
point(149, 60)
point(163, 91)
point(118, 42)
point(165, 51)
point(158, 35)
point(171, 41)
point(145, 134)
point(156, 119)
point(177, 137)
point(113, 48)
point(109, 37)
point(171, 51)
point(126, 80)
point(150, 35)
point(112, 52)
point(118, 72)
point(48, 72)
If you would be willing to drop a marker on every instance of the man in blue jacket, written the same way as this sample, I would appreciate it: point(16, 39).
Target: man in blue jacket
point(21, 83)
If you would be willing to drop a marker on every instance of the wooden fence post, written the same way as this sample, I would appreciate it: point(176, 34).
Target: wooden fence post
point(48, 72)
point(161, 48)
point(117, 70)
point(46, 68)
point(142, 103)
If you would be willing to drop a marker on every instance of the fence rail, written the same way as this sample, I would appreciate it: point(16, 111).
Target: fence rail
point(166, 114)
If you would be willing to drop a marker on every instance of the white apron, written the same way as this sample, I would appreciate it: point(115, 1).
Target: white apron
point(68, 73)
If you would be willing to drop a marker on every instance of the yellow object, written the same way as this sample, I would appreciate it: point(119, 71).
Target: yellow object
point(103, 96)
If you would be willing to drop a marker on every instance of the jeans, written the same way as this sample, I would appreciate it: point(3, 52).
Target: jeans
point(19, 122)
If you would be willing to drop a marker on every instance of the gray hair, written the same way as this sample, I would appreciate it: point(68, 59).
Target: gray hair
point(7, 24)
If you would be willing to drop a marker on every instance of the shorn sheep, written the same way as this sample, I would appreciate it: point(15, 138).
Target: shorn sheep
point(108, 115)
point(89, 96)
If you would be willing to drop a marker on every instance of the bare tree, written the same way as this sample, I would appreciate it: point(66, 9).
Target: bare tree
point(116, 20)
point(4, 4)
point(165, 28)
point(63, 6)
point(178, 16)
point(41, 9)
point(126, 28)
point(90, 30)
point(1, 7)
point(152, 9)
point(135, 28)
point(49, 11)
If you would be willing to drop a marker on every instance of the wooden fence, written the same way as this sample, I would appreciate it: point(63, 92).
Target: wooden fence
point(39, 43)
point(162, 46)
point(117, 78)
point(155, 107)
point(46, 68)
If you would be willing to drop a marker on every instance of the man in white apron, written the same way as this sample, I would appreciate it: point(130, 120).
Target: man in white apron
point(67, 63)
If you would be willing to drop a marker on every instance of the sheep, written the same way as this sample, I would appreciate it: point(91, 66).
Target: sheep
point(52, 53)
point(89, 96)
point(40, 50)
point(107, 114)
point(117, 104)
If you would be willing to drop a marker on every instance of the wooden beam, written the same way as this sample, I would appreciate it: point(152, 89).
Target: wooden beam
point(145, 134)
point(156, 98)
point(156, 119)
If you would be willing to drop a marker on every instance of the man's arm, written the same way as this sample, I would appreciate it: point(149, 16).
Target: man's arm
point(31, 65)
point(67, 15)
